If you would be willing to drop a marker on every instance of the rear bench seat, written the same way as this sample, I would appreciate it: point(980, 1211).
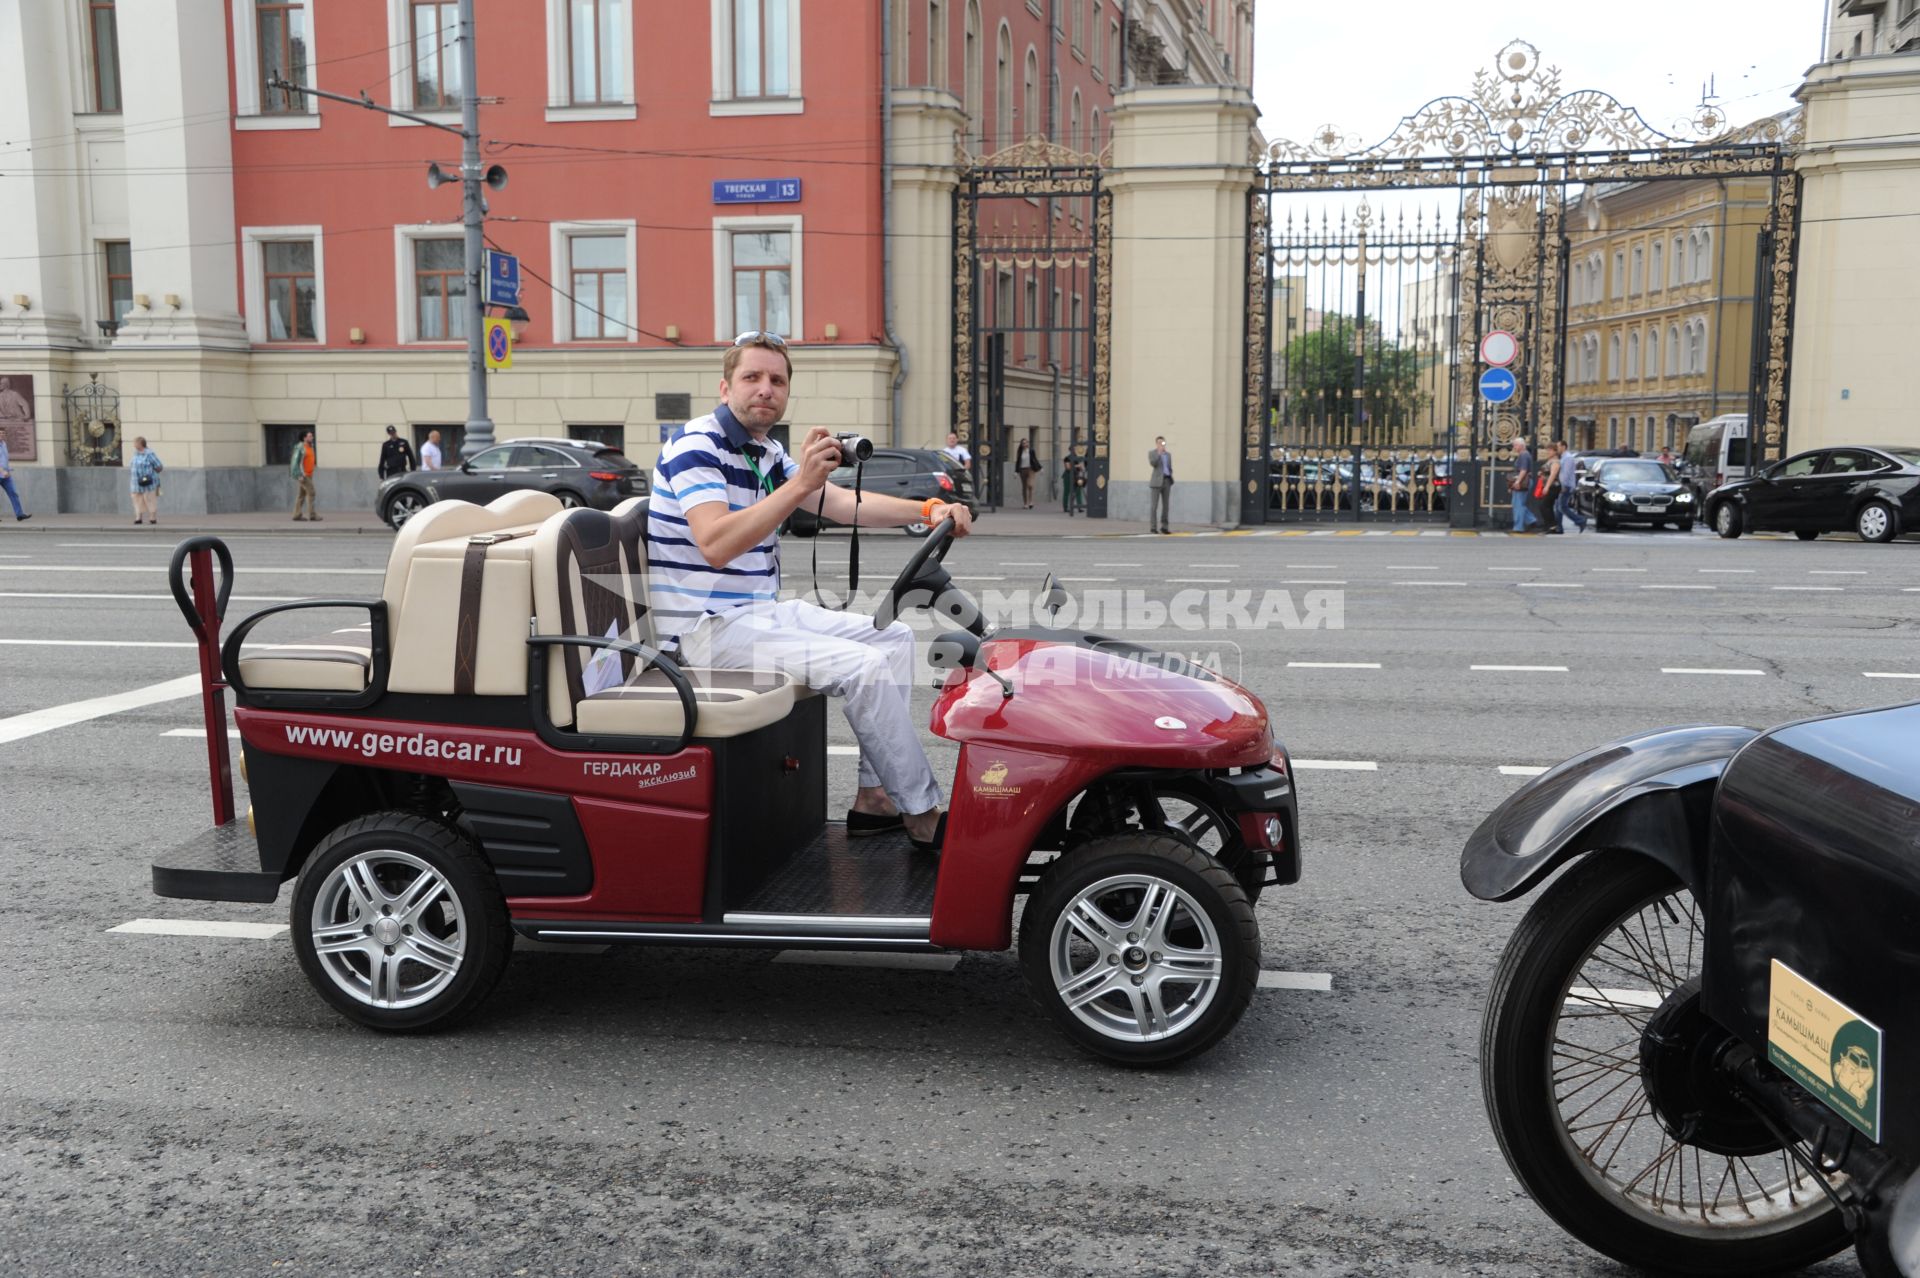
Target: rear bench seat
point(425, 564)
point(590, 576)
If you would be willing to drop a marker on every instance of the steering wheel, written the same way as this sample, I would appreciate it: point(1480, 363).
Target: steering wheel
point(923, 572)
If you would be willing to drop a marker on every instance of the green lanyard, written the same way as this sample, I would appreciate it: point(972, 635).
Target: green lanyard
point(764, 482)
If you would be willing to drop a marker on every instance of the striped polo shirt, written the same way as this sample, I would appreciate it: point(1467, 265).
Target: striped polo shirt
point(708, 461)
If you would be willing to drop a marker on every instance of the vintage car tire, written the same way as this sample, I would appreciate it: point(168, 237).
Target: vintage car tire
point(1876, 522)
point(1728, 520)
point(465, 916)
point(1530, 986)
point(1207, 905)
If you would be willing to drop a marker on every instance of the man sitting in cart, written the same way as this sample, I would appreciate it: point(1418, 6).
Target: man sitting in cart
point(721, 491)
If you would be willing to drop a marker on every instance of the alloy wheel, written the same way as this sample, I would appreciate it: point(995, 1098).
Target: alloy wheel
point(388, 930)
point(1135, 958)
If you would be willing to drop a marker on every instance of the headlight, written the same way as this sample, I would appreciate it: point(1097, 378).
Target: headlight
point(1616, 496)
point(1272, 831)
point(1683, 496)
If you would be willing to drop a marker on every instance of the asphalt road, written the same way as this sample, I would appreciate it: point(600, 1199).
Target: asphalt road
point(185, 1104)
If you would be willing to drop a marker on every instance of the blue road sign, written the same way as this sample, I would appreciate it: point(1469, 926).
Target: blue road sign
point(503, 280)
point(757, 191)
point(1498, 385)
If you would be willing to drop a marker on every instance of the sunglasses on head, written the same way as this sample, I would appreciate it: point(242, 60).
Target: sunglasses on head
point(757, 338)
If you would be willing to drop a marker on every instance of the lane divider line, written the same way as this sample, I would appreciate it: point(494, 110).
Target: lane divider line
point(1333, 665)
point(1888, 674)
point(1706, 670)
point(1319, 982)
point(1521, 770)
point(1337, 765)
point(1538, 669)
point(201, 927)
point(35, 722)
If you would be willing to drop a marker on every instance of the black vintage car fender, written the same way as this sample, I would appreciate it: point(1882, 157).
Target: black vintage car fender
point(1649, 794)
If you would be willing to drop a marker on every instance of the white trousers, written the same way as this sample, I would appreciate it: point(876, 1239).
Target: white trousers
point(842, 655)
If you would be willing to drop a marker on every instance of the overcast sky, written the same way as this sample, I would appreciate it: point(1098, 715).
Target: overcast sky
point(1361, 66)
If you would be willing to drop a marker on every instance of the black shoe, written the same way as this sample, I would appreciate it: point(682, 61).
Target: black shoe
point(860, 824)
point(21, 519)
point(932, 845)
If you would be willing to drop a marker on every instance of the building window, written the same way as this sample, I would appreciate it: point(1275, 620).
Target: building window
point(1003, 89)
point(291, 290)
point(1653, 354)
point(970, 70)
point(1705, 272)
point(597, 269)
point(902, 42)
point(1633, 356)
point(1093, 132)
point(1673, 350)
point(936, 44)
point(757, 277)
point(1613, 432)
point(1030, 97)
point(1676, 273)
point(1619, 274)
point(760, 43)
point(277, 441)
point(1613, 358)
point(103, 54)
point(1637, 284)
point(597, 43)
point(1080, 27)
point(1003, 300)
point(1053, 329)
point(281, 29)
point(1029, 348)
point(117, 264)
point(1073, 122)
point(1097, 56)
point(1113, 54)
point(433, 28)
point(1656, 269)
point(439, 290)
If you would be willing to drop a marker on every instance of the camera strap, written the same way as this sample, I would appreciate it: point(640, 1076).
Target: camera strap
point(853, 548)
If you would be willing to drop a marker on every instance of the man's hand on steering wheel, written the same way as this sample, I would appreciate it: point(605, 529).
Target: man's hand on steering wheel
point(961, 516)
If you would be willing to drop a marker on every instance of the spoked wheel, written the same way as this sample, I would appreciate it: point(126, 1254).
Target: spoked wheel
point(1594, 1059)
point(404, 506)
point(399, 923)
point(1144, 950)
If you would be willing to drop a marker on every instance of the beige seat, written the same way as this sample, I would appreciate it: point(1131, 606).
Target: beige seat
point(422, 595)
point(589, 578)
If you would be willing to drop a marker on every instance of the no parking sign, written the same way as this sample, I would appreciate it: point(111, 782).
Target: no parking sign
point(499, 342)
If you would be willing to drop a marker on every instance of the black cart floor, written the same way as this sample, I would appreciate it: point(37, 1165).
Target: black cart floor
point(877, 874)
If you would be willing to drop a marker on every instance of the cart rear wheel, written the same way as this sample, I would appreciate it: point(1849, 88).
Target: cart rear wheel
point(1142, 948)
point(1603, 970)
point(399, 923)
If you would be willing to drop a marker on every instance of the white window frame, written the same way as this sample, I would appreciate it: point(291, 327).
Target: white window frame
point(723, 229)
point(1657, 266)
point(722, 102)
point(560, 270)
point(560, 105)
point(253, 269)
point(405, 312)
point(248, 116)
point(400, 55)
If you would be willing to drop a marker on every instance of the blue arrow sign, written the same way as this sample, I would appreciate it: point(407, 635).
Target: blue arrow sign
point(1498, 385)
point(503, 280)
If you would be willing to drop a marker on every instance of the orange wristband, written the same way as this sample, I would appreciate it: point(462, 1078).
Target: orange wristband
point(926, 509)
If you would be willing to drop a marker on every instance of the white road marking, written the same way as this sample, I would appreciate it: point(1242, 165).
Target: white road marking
point(844, 750)
point(1748, 570)
point(1669, 586)
point(1333, 665)
point(1098, 579)
point(1521, 770)
point(1836, 572)
point(35, 722)
point(201, 927)
point(1804, 589)
point(870, 958)
point(1550, 585)
point(1587, 996)
point(1706, 670)
point(1337, 765)
point(1541, 669)
point(1516, 570)
point(95, 643)
point(1313, 565)
point(262, 570)
point(1213, 565)
point(1321, 982)
point(1888, 674)
point(57, 594)
point(1199, 581)
point(1315, 581)
point(197, 732)
point(1413, 568)
point(1429, 582)
point(1116, 565)
point(1616, 570)
point(1023, 563)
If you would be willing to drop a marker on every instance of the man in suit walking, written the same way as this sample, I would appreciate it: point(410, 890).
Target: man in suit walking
point(1159, 484)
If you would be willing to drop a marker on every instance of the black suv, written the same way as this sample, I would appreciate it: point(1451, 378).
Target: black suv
point(913, 473)
point(578, 472)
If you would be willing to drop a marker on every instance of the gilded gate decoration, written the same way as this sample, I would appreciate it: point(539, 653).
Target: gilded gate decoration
point(1073, 252)
point(1520, 152)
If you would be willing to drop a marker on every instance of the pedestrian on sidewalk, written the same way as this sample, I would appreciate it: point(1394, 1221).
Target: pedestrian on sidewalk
point(1565, 508)
point(1520, 484)
point(1546, 488)
point(6, 476)
point(1026, 465)
point(1159, 485)
point(430, 452)
point(396, 455)
point(1073, 483)
point(302, 468)
point(143, 480)
point(957, 450)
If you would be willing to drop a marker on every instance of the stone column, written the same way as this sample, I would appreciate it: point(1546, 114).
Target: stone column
point(927, 127)
point(1180, 177)
point(40, 201)
point(1857, 306)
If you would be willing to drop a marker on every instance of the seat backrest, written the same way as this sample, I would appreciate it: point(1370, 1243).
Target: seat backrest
point(589, 578)
point(423, 593)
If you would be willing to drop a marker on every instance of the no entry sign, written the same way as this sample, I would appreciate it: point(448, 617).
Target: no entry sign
point(1499, 348)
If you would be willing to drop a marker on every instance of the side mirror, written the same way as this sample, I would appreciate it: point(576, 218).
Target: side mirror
point(466, 467)
point(960, 650)
point(1053, 596)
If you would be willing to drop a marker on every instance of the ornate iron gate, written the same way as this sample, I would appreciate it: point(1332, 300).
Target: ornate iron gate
point(1353, 392)
point(1032, 277)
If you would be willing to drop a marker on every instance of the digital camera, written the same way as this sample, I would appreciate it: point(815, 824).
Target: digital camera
point(853, 447)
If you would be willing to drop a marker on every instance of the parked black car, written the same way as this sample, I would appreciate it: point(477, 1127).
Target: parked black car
point(913, 473)
point(1869, 490)
point(1634, 490)
point(578, 472)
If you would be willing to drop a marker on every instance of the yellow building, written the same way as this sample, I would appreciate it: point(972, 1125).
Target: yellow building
point(1660, 308)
